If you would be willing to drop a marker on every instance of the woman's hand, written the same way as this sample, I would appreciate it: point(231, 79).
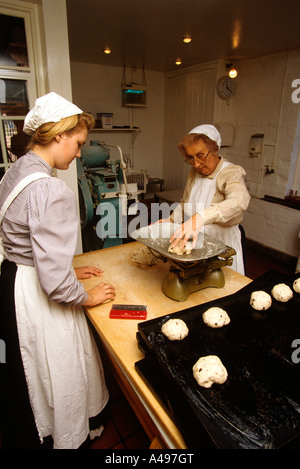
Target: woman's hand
point(103, 292)
point(87, 272)
point(190, 228)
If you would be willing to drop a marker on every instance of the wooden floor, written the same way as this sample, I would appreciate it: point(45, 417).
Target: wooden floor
point(123, 430)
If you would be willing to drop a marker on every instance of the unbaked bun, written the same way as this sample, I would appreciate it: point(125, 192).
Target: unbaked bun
point(282, 292)
point(216, 317)
point(296, 285)
point(175, 329)
point(260, 300)
point(208, 370)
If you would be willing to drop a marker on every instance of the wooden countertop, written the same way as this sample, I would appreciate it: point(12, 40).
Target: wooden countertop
point(137, 284)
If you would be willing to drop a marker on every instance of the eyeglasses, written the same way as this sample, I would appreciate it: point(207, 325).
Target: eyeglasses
point(196, 159)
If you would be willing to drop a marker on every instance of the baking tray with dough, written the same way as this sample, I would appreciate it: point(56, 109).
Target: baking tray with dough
point(258, 405)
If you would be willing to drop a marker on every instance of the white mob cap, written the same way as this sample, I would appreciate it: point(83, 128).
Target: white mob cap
point(48, 108)
point(210, 131)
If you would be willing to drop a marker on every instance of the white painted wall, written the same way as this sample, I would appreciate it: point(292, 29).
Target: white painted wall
point(178, 101)
point(97, 88)
point(190, 95)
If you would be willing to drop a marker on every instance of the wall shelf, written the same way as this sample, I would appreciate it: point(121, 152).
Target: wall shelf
point(131, 130)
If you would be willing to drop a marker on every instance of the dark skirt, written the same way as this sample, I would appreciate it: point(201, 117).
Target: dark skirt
point(17, 425)
point(18, 429)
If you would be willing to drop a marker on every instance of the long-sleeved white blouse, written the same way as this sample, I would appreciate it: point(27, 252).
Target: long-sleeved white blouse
point(230, 200)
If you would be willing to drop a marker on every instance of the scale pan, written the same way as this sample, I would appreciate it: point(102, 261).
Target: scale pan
point(157, 237)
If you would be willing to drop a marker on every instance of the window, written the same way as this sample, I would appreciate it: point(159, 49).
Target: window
point(13, 44)
point(14, 106)
point(17, 80)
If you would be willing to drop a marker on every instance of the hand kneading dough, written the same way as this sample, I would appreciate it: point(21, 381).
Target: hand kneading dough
point(282, 292)
point(260, 300)
point(209, 370)
point(296, 285)
point(186, 250)
point(216, 317)
point(175, 329)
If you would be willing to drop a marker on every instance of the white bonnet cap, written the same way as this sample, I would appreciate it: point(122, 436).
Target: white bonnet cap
point(210, 131)
point(48, 108)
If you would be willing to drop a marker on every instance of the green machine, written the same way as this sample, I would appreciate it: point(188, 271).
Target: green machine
point(103, 196)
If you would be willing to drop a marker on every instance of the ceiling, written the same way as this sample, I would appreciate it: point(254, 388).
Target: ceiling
point(148, 33)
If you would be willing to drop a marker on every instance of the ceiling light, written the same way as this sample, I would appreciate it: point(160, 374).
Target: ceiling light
point(232, 71)
point(178, 61)
point(187, 38)
point(107, 50)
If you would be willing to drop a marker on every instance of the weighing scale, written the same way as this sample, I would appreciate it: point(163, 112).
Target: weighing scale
point(188, 273)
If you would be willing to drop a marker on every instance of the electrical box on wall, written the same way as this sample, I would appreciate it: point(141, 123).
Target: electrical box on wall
point(133, 95)
point(256, 144)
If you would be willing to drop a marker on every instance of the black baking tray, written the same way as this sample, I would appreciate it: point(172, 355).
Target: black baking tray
point(259, 404)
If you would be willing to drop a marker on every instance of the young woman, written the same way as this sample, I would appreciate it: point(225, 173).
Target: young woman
point(52, 383)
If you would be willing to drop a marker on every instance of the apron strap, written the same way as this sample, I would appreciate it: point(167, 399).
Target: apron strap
point(16, 191)
point(18, 188)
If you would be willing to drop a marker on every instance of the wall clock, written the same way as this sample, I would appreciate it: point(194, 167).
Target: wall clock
point(225, 87)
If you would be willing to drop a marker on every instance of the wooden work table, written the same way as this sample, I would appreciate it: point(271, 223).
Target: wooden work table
point(138, 284)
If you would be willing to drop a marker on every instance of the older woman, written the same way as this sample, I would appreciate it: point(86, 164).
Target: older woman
point(215, 195)
point(52, 382)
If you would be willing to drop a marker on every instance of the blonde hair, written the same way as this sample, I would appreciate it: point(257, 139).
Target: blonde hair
point(46, 132)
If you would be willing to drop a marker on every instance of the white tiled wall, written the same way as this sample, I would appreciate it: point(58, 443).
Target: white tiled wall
point(262, 104)
point(273, 225)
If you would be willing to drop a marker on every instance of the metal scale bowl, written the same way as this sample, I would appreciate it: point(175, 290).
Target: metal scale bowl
point(188, 272)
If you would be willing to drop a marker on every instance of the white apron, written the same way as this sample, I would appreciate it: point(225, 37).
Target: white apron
point(204, 190)
point(62, 366)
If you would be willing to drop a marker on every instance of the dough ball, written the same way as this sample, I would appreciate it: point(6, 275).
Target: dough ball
point(260, 300)
point(176, 250)
point(216, 317)
point(282, 292)
point(209, 370)
point(144, 256)
point(175, 329)
point(296, 285)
